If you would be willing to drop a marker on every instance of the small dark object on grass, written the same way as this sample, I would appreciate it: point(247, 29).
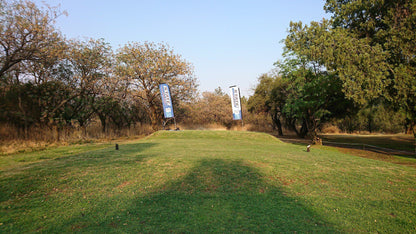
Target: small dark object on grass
point(176, 129)
point(308, 148)
point(116, 146)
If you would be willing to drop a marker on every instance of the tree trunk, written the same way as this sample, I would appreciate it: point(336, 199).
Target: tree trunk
point(103, 121)
point(153, 117)
point(292, 126)
point(279, 127)
point(25, 124)
point(408, 126)
point(58, 133)
point(277, 123)
point(303, 130)
point(315, 139)
point(312, 126)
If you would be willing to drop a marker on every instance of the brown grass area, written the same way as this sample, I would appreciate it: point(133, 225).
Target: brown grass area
point(393, 141)
point(378, 156)
point(403, 142)
point(124, 184)
point(201, 127)
point(17, 146)
point(13, 140)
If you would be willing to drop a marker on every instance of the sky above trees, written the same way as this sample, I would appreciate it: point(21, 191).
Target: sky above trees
point(228, 42)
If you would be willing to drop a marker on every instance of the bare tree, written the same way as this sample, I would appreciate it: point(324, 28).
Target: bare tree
point(26, 33)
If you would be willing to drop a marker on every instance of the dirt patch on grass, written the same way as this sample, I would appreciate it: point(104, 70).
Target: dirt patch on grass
point(378, 156)
point(406, 158)
point(124, 184)
point(403, 144)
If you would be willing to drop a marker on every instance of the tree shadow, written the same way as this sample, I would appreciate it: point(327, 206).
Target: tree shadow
point(216, 196)
point(34, 176)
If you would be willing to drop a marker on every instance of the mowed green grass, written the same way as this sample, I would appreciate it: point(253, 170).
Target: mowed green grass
point(204, 181)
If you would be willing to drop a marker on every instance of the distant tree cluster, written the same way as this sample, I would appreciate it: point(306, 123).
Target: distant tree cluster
point(211, 109)
point(48, 81)
point(358, 67)
point(355, 70)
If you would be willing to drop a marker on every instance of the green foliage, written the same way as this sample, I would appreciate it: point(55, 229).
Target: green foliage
point(368, 47)
point(388, 26)
point(360, 67)
point(374, 118)
point(27, 104)
point(259, 101)
point(269, 99)
point(310, 94)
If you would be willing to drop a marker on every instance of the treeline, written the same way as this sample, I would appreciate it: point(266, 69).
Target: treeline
point(286, 112)
point(48, 82)
point(356, 70)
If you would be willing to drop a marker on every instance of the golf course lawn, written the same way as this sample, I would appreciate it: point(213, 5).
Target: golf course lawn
point(203, 182)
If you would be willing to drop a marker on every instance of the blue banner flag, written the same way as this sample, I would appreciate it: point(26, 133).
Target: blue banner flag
point(166, 100)
point(235, 102)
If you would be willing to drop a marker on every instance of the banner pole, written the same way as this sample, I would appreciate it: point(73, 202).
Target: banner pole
point(241, 109)
point(236, 104)
point(167, 103)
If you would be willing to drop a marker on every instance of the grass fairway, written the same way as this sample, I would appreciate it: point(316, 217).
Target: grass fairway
point(204, 181)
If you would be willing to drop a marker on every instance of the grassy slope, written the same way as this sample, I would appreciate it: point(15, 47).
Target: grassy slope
point(204, 181)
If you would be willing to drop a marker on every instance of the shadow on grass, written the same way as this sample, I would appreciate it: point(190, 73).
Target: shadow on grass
point(32, 179)
point(215, 196)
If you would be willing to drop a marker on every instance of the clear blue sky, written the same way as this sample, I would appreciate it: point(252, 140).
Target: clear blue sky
point(228, 42)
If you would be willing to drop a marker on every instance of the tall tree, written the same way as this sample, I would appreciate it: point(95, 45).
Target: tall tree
point(26, 33)
point(90, 65)
point(147, 65)
point(29, 48)
point(312, 95)
point(360, 67)
point(268, 98)
point(389, 26)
